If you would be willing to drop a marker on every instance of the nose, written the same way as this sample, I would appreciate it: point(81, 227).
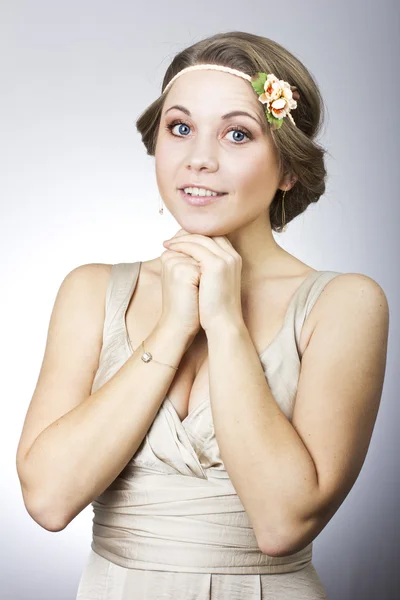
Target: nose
point(202, 155)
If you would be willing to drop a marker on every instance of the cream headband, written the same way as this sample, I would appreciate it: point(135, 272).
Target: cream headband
point(278, 96)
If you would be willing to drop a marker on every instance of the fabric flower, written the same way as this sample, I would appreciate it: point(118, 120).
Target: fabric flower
point(278, 96)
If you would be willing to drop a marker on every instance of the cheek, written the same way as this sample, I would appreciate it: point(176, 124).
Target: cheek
point(166, 153)
point(161, 171)
point(164, 163)
point(256, 178)
point(255, 172)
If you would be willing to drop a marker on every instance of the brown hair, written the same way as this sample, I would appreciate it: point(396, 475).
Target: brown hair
point(298, 153)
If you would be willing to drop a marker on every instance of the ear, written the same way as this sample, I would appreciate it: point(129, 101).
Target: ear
point(287, 182)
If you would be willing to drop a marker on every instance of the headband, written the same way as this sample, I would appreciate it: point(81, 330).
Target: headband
point(278, 96)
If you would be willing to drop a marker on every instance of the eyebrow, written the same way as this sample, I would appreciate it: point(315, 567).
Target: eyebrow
point(233, 113)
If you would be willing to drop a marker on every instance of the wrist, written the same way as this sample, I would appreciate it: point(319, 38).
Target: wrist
point(175, 331)
point(225, 326)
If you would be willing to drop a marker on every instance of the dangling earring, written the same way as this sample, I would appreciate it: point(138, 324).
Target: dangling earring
point(284, 226)
point(160, 206)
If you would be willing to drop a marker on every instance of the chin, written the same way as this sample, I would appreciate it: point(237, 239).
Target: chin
point(207, 230)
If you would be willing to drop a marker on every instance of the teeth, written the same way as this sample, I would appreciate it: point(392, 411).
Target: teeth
point(194, 191)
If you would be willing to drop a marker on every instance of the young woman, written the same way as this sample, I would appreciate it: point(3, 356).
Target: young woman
point(214, 404)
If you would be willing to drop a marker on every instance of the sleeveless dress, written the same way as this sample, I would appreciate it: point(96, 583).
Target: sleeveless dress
point(171, 526)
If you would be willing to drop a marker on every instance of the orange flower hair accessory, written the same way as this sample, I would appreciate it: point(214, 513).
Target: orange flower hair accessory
point(278, 96)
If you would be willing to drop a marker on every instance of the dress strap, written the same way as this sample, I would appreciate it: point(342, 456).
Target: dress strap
point(317, 288)
point(121, 285)
point(307, 296)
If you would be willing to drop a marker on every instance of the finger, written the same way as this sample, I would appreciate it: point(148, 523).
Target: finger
point(223, 241)
point(179, 233)
point(219, 248)
point(199, 252)
point(175, 254)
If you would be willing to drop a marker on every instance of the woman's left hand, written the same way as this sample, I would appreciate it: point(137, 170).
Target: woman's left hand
point(220, 280)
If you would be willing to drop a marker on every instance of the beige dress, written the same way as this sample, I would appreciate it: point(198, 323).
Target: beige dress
point(171, 526)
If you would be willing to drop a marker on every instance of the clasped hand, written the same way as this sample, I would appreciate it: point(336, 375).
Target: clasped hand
point(220, 276)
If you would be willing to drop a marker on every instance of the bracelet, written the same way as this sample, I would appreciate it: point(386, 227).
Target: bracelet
point(147, 357)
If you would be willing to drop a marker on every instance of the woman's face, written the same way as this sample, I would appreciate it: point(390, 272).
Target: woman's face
point(197, 144)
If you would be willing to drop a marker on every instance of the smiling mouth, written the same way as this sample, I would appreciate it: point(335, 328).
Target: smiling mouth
point(208, 190)
point(200, 200)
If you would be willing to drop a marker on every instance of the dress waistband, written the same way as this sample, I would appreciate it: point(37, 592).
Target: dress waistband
point(179, 523)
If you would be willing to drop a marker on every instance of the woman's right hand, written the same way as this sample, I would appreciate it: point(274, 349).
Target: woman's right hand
point(180, 278)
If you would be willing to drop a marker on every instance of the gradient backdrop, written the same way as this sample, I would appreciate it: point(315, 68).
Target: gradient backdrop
point(77, 187)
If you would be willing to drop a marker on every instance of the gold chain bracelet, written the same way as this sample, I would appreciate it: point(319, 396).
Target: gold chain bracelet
point(147, 357)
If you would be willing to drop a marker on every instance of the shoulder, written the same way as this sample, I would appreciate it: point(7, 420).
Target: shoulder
point(352, 297)
point(95, 277)
point(353, 288)
point(94, 269)
point(90, 280)
point(91, 273)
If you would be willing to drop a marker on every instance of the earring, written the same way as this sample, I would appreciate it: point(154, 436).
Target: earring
point(284, 226)
point(160, 206)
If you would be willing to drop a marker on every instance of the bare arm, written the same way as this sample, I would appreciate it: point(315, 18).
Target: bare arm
point(292, 477)
point(78, 455)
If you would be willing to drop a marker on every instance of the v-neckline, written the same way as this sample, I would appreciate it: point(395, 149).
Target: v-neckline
point(260, 356)
point(202, 404)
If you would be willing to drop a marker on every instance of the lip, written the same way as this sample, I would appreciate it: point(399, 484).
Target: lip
point(200, 200)
point(197, 185)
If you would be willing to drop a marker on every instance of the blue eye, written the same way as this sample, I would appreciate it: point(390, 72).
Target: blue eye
point(241, 131)
point(234, 128)
point(174, 124)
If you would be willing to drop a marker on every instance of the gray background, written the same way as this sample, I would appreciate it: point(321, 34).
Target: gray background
point(77, 187)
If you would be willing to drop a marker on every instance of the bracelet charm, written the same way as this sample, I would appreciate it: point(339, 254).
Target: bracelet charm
point(146, 357)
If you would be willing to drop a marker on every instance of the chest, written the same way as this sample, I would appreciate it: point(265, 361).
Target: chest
point(263, 313)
